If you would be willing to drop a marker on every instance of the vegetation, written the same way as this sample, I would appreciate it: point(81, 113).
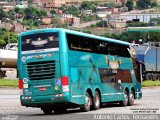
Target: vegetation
point(7, 36)
point(85, 18)
point(112, 35)
point(129, 4)
point(102, 23)
point(150, 83)
point(86, 31)
point(8, 83)
point(33, 15)
point(53, 12)
point(19, 11)
point(14, 83)
point(70, 10)
point(155, 21)
point(2, 14)
point(137, 24)
point(89, 5)
point(135, 36)
point(145, 4)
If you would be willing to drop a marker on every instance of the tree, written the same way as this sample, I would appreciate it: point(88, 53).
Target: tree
point(32, 16)
point(155, 36)
point(34, 13)
point(87, 5)
point(5, 35)
point(144, 4)
point(112, 35)
point(2, 14)
point(89, 18)
point(53, 12)
point(11, 15)
point(153, 3)
point(155, 21)
point(70, 10)
point(137, 24)
point(19, 10)
point(129, 4)
point(102, 24)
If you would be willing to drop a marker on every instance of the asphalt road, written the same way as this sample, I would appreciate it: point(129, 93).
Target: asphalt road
point(10, 107)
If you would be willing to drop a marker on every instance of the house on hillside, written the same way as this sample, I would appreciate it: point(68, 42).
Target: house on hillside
point(120, 2)
point(117, 23)
point(69, 19)
point(86, 12)
point(51, 4)
point(46, 20)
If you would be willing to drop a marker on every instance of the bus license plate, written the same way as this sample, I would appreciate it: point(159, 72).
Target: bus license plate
point(42, 89)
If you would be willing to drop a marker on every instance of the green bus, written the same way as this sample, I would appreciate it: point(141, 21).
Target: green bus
point(60, 69)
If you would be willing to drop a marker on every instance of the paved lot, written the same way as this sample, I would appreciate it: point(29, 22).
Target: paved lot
point(10, 107)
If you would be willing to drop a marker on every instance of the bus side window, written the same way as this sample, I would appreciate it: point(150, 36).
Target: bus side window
point(118, 50)
point(81, 43)
point(124, 75)
point(107, 75)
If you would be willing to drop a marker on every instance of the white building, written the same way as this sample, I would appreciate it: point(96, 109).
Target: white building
point(103, 14)
point(142, 17)
point(87, 12)
point(67, 16)
point(118, 23)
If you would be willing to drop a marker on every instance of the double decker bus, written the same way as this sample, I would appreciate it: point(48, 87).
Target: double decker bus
point(60, 69)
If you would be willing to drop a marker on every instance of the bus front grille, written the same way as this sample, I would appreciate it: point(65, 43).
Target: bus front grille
point(41, 70)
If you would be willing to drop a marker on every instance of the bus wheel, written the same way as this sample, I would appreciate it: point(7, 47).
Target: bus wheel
point(131, 98)
point(96, 101)
point(125, 101)
point(88, 101)
point(47, 111)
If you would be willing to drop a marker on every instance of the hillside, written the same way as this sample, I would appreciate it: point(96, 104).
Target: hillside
point(88, 0)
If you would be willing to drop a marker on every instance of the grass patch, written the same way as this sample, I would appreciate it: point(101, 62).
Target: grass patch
point(148, 83)
point(8, 83)
point(14, 83)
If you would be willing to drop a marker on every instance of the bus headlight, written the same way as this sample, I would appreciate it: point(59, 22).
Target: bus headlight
point(23, 59)
point(25, 80)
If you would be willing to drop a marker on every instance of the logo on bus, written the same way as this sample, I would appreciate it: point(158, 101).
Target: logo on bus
point(39, 42)
point(113, 64)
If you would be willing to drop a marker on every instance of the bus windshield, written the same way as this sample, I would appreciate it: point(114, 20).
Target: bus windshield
point(40, 41)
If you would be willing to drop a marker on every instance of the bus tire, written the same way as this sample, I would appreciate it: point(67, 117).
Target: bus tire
point(126, 98)
point(131, 98)
point(47, 111)
point(96, 101)
point(88, 101)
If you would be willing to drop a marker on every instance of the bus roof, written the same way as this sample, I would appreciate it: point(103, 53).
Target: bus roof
point(76, 33)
